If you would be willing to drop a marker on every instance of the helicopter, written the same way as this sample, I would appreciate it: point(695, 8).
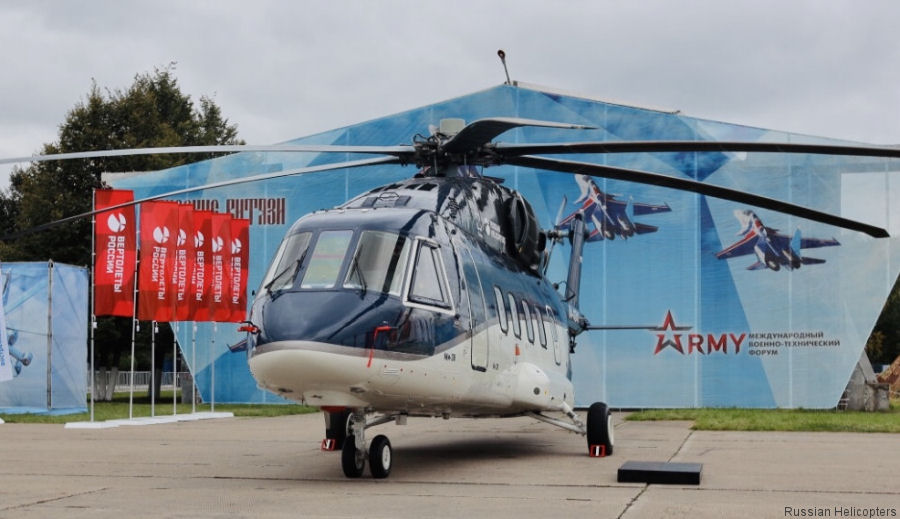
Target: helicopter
point(429, 297)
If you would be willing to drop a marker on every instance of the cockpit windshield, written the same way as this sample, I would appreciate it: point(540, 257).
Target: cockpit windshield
point(326, 260)
point(379, 262)
point(287, 262)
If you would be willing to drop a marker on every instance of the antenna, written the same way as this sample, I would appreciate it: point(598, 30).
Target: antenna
point(503, 60)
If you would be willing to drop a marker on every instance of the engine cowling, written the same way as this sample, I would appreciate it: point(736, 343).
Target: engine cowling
point(525, 241)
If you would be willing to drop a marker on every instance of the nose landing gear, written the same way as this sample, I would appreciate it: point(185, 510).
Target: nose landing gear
point(353, 454)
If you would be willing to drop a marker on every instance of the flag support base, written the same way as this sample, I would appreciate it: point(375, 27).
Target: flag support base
point(147, 420)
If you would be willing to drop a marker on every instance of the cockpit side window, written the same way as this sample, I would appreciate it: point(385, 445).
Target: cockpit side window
point(287, 262)
point(428, 285)
point(326, 259)
point(379, 262)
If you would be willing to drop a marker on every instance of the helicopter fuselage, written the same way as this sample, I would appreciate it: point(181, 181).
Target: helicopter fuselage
point(406, 300)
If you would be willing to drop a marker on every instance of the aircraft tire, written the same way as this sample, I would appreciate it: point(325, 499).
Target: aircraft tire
point(380, 457)
point(352, 464)
point(600, 426)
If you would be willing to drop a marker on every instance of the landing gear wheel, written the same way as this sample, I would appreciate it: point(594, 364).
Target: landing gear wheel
point(600, 428)
point(380, 457)
point(352, 463)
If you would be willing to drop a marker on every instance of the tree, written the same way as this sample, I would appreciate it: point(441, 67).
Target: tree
point(883, 345)
point(152, 112)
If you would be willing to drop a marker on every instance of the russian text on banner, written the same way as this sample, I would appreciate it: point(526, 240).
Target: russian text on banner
point(159, 224)
point(200, 274)
point(240, 257)
point(184, 262)
point(114, 248)
point(220, 263)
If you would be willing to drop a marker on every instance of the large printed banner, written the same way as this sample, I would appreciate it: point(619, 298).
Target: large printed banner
point(114, 249)
point(220, 268)
point(6, 361)
point(200, 273)
point(184, 263)
point(159, 232)
point(45, 306)
point(240, 256)
point(734, 305)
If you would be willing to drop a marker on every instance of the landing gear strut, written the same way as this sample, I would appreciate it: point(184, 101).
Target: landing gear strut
point(353, 453)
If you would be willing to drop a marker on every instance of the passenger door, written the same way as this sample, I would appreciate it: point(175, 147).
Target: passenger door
point(477, 312)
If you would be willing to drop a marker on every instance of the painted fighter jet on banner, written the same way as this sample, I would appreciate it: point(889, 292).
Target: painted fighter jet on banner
point(772, 248)
point(609, 216)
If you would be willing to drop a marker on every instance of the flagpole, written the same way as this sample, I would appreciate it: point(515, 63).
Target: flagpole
point(135, 324)
point(153, 330)
point(93, 310)
point(213, 355)
point(174, 367)
point(194, 366)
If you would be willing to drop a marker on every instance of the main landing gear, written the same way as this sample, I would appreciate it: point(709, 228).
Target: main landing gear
point(599, 428)
point(353, 451)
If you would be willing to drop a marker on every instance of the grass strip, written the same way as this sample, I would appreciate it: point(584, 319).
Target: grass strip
point(118, 409)
point(735, 419)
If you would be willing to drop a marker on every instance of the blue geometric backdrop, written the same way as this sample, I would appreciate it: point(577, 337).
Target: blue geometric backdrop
point(756, 338)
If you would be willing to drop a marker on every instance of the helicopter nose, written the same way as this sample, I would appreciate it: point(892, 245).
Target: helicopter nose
point(335, 317)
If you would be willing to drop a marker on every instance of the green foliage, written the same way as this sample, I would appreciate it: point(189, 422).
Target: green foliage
point(152, 112)
point(733, 419)
point(118, 409)
point(883, 345)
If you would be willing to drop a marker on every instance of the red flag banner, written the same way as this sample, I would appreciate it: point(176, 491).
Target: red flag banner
point(240, 257)
point(114, 247)
point(220, 241)
point(159, 230)
point(184, 262)
point(200, 273)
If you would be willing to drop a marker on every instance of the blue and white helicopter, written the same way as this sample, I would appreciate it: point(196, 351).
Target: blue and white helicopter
point(429, 297)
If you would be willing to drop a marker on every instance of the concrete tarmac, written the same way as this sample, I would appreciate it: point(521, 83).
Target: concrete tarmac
point(272, 467)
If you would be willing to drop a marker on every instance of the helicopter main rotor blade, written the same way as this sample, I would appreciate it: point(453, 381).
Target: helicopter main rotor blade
point(655, 179)
point(213, 185)
point(513, 150)
point(396, 151)
point(480, 132)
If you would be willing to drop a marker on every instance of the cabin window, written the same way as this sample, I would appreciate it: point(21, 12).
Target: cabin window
point(379, 263)
point(542, 331)
point(326, 259)
point(428, 284)
point(516, 315)
point(502, 314)
point(549, 317)
point(529, 322)
point(287, 262)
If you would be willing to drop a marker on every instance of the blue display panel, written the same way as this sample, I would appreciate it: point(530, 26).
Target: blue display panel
point(46, 310)
point(731, 329)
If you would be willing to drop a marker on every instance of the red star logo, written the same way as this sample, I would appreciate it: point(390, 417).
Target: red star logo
point(675, 342)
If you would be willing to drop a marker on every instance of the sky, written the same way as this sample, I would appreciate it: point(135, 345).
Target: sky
point(286, 69)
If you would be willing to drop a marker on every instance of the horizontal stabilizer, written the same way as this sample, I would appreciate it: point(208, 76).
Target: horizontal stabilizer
point(757, 266)
point(641, 228)
point(811, 261)
point(643, 209)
